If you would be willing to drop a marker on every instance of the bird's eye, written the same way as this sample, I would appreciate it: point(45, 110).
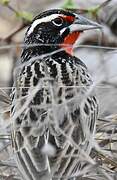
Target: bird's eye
point(58, 21)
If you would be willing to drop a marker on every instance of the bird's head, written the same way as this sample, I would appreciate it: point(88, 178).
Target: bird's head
point(58, 27)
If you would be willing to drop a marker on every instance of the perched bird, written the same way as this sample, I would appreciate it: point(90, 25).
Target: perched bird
point(53, 113)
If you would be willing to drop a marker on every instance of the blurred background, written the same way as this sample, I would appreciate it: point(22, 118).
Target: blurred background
point(97, 49)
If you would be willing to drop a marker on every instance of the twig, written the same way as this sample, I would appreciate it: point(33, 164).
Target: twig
point(105, 159)
point(78, 11)
point(25, 22)
point(104, 4)
point(12, 9)
point(5, 146)
point(8, 38)
point(93, 10)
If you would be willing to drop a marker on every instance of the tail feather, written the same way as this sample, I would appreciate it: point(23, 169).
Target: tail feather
point(33, 162)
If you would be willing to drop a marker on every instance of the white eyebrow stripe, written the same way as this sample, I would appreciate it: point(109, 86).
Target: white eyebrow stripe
point(39, 21)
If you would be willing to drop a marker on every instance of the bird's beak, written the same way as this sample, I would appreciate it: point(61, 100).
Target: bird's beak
point(81, 24)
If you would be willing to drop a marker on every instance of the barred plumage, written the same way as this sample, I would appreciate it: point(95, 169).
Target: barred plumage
point(51, 104)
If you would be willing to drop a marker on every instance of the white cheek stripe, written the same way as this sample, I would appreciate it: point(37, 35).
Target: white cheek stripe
point(39, 21)
point(62, 31)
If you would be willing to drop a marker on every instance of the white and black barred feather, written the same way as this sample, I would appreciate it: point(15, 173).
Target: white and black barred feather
point(59, 107)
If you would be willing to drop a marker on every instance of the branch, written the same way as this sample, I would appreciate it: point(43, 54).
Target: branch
point(9, 37)
point(26, 18)
point(92, 10)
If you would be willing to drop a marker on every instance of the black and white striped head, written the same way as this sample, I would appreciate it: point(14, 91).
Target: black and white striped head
point(57, 26)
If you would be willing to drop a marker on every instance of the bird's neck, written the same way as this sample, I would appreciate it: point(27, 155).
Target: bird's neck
point(38, 51)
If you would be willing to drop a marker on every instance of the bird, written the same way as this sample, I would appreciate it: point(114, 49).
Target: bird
point(53, 111)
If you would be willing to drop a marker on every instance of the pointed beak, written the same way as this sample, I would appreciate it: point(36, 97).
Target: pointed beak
point(81, 24)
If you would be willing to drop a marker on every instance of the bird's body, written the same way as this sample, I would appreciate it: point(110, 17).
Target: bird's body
point(51, 105)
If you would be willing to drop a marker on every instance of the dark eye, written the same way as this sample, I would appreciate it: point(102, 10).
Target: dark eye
point(58, 21)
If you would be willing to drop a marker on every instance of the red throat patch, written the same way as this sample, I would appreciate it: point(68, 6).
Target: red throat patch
point(69, 41)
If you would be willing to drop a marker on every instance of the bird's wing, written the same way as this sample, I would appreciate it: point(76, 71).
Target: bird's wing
point(89, 103)
point(77, 122)
point(26, 112)
point(5, 101)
